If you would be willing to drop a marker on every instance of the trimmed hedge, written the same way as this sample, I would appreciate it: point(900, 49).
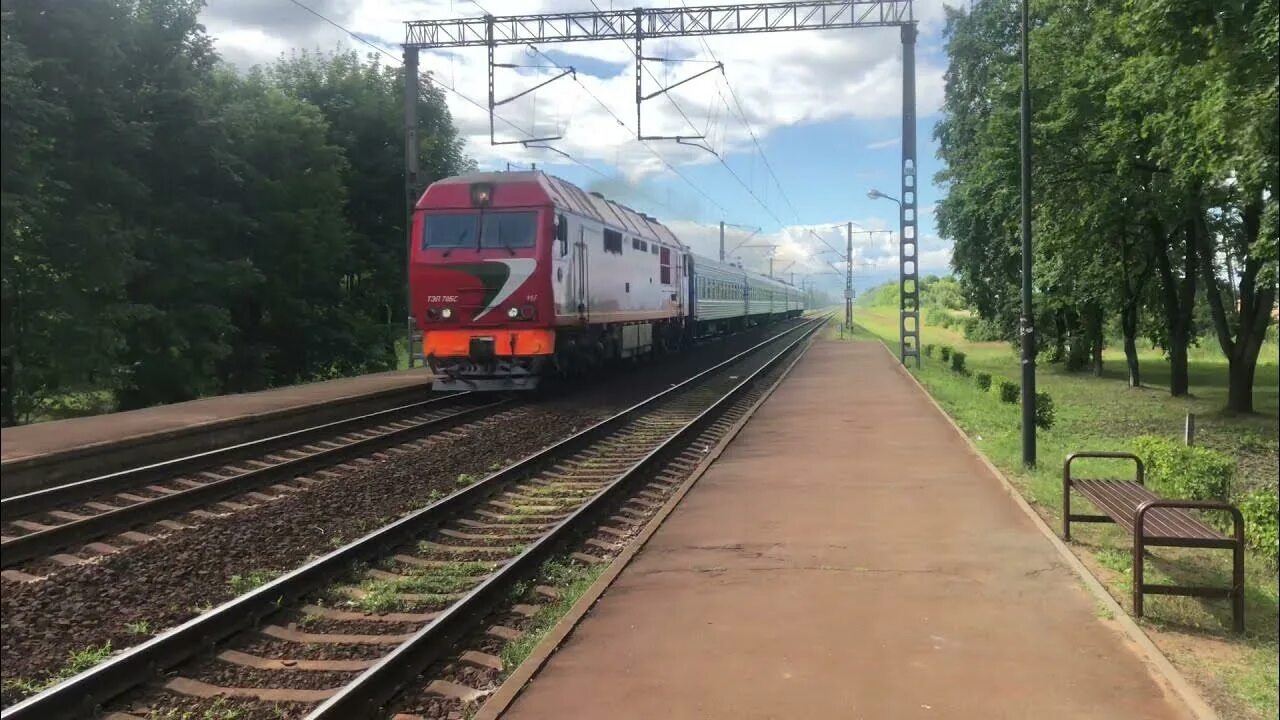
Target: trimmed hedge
point(1261, 510)
point(1009, 391)
point(1177, 471)
point(945, 352)
point(957, 362)
point(1044, 411)
point(1197, 473)
point(984, 381)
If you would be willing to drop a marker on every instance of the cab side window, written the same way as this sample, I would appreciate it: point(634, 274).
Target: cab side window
point(562, 234)
point(612, 241)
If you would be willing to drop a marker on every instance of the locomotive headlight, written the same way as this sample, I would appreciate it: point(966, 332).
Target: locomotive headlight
point(446, 313)
point(513, 313)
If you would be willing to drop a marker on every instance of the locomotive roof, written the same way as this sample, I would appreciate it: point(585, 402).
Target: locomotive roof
point(587, 204)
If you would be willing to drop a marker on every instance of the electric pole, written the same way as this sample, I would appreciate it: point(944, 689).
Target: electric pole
point(848, 279)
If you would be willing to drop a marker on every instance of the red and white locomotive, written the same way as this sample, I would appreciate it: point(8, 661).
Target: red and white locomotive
point(517, 275)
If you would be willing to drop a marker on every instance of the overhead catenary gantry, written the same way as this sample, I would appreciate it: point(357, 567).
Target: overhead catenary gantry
point(639, 24)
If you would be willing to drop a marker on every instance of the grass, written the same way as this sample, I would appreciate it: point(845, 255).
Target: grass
point(141, 627)
point(252, 580)
point(1238, 673)
point(220, 709)
point(571, 581)
point(77, 662)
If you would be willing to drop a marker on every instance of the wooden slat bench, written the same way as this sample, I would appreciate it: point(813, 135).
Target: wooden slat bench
point(1155, 521)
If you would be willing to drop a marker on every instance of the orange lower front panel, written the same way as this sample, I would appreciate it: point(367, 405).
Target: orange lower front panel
point(506, 343)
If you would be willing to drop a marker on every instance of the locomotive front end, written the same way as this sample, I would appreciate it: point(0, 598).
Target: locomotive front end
point(480, 283)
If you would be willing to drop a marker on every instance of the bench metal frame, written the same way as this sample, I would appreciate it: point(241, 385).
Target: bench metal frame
point(1141, 542)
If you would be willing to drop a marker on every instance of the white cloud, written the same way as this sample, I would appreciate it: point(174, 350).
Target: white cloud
point(780, 79)
point(801, 248)
point(882, 144)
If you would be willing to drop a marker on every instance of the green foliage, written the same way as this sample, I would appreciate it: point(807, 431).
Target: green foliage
point(944, 352)
point(1158, 141)
point(77, 662)
point(957, 362)
point(1177, 471)
point(1009, 391)
point(1044, 411)
point(978, 329)
point(1261, 510)
point(252, 580)
point(570, 582)
point(939, 317)
point(928, 350)
point(937, 294)
point(984, 381)
point(172, 229)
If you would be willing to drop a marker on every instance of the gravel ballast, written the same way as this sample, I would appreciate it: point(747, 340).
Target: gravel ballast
point(182, 574)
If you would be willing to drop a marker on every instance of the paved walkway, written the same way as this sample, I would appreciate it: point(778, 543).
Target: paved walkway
point(847, 557)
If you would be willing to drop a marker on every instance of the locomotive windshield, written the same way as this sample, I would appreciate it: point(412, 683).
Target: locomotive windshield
point(508, 230)
point(481, 230)
point(451, 231)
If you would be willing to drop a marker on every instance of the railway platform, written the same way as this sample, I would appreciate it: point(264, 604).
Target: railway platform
point(49, 452)
point(848, 556)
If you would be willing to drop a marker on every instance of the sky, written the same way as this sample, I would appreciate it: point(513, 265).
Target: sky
point(802, 124)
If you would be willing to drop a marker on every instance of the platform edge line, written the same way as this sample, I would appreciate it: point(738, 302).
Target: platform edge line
point(1158, 664)
point(509, 691)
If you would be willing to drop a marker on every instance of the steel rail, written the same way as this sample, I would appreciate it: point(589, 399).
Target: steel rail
point(47, 498)
point(83, 693)
point(37, 544)
point(377, 685)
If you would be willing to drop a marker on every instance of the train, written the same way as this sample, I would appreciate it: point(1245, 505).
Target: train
point(515, 277)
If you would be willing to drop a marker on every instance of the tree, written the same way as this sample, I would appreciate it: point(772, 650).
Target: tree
point(68, 168)
point(978, 142)
point(173, 230)
point(1155, 181)
point(363, 103)
point(1213, 117)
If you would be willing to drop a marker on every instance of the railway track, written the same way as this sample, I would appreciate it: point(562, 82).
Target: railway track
point(373, 614)
point(39, 524)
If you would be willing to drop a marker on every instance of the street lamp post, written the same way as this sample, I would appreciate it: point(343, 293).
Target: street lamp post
point(1026, 325)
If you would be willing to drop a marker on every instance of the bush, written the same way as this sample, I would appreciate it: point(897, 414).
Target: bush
point(1261, 509)
point(935, 316)
point(957, 362)
point(981, 330)
point(1008, 391)
point(1044, 410)
point(984, 381)
point(928, 350)
point(945, 352)
point(1177, 471)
